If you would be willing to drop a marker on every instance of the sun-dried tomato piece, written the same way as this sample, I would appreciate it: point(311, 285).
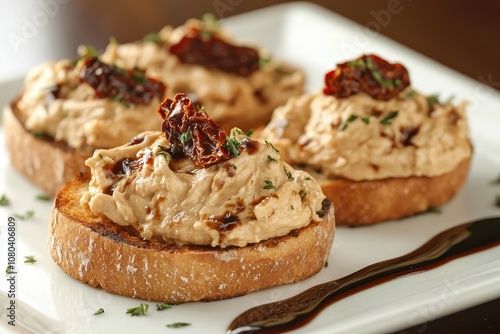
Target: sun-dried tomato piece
point(191, 132)
point(127, 86)
point(368, 74)
point(205, 48)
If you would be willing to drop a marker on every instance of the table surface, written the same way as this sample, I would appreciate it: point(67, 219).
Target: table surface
point(460, 34)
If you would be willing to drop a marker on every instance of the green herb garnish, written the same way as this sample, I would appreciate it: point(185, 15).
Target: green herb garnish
point(291, 207)
point(348, 121)
point(9, 269)
point(302, 193)
point(387, 120)
point(357, 63)
point(99, 311)
point(163, 306)
point(27, 215)
point(272, 146)
point(434, 209)
point(139, 75)
point(378, 77)
point(90, 51)
point(409, 93)
point(119, 69)
point(239, 132)
point(164, 148)
point(211, 21)
point(432, 100)
point(233, 145)
point(43, 197)
point(100, 155)
point(234, 166)
point(201, 108)
point(269, 185)
point(288, 174)
point(153, 37)
point(185, 137)
point(37, 134)
point(365, 120)
point(178, 324)
point(307, 178)
point(163, 154)
point(271, 159)
point(263, 61)
point(370, 65)
point(326, 264)
point(205, 34)
point(4, 201)
point(29, 259)
point(142, 309)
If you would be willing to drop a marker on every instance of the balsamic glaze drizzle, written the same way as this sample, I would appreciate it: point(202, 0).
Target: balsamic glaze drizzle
point(297, 311)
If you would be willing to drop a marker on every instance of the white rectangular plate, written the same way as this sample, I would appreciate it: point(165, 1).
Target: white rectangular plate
point(314, 39)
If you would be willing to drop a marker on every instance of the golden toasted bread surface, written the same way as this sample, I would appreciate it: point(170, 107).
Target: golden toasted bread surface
point(103, 254)
point(369, 202)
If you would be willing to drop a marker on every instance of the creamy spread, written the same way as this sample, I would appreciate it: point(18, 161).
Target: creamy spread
point(73, 115)
point(361, 138)
point(56, 104)
point(252, 197)
point(229, 97)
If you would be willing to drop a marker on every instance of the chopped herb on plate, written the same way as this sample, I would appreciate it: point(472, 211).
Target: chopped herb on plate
point(27, 215)
point(434, 209)
point(29, 259)
point(163, 306)
point(178, 324)
point(4, 201)
point(99, 311)
point(142, 309)
point(43, 197)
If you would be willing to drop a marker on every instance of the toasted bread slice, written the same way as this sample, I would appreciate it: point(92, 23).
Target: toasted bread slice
point(101, 253)
point(47, 163)
point(369, 202)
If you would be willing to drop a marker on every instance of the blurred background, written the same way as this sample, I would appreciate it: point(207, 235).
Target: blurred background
point(461, 34)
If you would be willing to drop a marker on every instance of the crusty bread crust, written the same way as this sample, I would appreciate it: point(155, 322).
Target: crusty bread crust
point(45, 162)
point(369, 202)
point(98, 252)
